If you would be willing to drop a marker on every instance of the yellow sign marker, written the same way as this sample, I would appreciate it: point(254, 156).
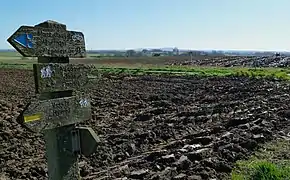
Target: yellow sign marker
point(34, 117)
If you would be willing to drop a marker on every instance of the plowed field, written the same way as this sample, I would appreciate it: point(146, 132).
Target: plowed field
point(154, 127)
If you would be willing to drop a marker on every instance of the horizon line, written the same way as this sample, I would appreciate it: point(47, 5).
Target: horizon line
point(178, 48)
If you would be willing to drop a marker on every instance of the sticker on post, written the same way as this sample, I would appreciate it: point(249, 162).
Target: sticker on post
point(84, 102)
point(34, 117)
point(46, 72)
point(77, 37)
point(25, 40)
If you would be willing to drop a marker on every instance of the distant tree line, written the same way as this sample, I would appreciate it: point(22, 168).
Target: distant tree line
point(157, 52)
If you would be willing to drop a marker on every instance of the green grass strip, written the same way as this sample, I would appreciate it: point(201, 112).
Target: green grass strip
point(271, 162)
point(278, 73)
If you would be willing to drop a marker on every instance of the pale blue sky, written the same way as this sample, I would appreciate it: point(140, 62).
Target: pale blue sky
point(190, 24)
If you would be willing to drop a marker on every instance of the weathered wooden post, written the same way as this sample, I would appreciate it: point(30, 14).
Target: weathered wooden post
point(61, 101)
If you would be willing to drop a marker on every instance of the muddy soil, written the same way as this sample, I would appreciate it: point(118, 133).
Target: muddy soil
point(154, 127)
point(232, 61)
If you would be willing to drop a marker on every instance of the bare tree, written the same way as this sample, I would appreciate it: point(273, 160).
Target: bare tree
point(176, 51)
point(190, 54)
point(130, 53)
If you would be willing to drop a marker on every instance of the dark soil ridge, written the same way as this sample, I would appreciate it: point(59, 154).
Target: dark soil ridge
point(231, 61)
point(154, 127)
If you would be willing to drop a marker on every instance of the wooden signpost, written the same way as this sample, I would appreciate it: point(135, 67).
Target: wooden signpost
point(53, 113)
point(48, 39)
point(61, 104)
point(61, 77)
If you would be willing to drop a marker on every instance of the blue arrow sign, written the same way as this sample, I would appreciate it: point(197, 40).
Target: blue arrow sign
point(25, 40)
point(33, 42)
